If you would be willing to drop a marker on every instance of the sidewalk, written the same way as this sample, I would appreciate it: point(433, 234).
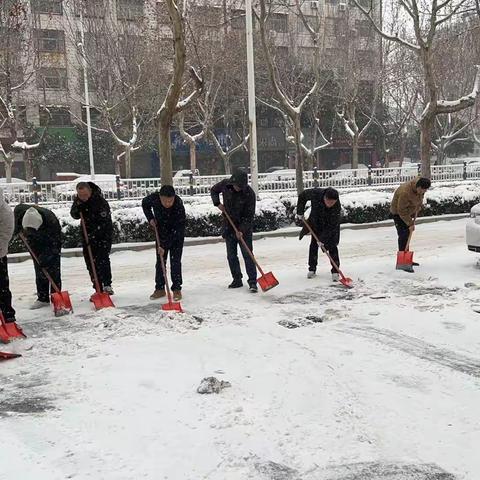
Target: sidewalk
point(282, 232)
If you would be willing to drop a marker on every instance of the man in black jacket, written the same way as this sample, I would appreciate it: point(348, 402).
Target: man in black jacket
point(239, 202)
point(165, 212)
point(43, 233)
point(325, 222)
point(95, 209)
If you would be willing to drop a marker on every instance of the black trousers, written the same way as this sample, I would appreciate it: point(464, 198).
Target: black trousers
point(101, 257)
point(313, 255)
point(232, 242)
point(43, 285)
point(403, 232)
point(5, 294)
point(175, 251)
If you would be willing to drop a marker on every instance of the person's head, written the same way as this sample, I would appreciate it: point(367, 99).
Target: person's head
point(167, 196)
point(84, 191)
point(32, 219)
point(330, 197)
point(423, 184)
point(239, 179)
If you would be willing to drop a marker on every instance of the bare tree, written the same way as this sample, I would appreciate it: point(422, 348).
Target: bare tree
point(426, 18)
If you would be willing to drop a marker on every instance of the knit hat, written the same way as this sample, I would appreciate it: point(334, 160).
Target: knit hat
point(239, 178)
point(32, 219)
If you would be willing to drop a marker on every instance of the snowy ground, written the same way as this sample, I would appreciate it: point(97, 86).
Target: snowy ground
point(378, 382)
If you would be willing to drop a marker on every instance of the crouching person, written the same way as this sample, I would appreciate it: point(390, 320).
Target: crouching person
point(89, 202)
point(6, 231)
point(42, 231)
point(165, 213)
point(324, 220)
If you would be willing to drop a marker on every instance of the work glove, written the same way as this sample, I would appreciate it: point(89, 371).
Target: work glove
point(299, 218)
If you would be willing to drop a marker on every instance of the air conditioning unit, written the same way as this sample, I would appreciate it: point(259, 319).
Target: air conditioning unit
point(314, 5)
point(342, 6)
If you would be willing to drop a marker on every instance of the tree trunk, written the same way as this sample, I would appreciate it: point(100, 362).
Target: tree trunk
point(117, 162)
point(403, 148)
point(128, 163)
point(27, 161)
point(355, 140)
point(193, 157)
point(226, 164)
point(298, 157)
point(165, 153)
point(427, 125)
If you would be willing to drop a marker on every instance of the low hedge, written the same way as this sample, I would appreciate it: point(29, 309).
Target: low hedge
point(204, 220)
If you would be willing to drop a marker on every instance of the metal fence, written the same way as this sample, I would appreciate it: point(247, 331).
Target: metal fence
point(283, 181)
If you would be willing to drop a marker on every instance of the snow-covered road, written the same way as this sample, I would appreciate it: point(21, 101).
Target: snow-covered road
point(378, 382)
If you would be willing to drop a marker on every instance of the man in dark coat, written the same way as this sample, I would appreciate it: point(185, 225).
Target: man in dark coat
point(95, 209)
point(6, 231)
point(43, 233)
point(325, 222)
point(165, 213)
point(239, 202)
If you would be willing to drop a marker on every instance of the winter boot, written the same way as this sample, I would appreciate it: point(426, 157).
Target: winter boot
point(177, 295)
point(157, 294)
point(252, 288)
point(406, 268)
point(108, 289)
point(237, 283)
point(415, 264)
point(39, 304)
point(311, 274)
point(335, 277)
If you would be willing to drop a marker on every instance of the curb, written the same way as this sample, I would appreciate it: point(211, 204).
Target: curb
point(283, 232)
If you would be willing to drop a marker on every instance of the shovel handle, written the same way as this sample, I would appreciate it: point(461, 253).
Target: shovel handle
point(162, 263)
point(35, 258)
point(324, 250)
point(90, 254)
point(242, 240)
point(407, 248)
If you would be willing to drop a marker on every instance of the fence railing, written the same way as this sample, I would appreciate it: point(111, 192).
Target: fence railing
point(137, 188)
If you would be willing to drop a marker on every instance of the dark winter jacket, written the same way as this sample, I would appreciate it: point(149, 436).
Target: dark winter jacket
point(324, 221)
point(239, 205)
point(46, 242)
point(170, 221)
point(97, 216)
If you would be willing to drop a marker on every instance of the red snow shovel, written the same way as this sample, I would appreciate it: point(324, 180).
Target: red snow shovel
point(345, 281)
point(99, 299)
point(405, 258)
point(60, 300)
point(8, 356)
point(266, 280)
point(171, 305)
point(9, 331)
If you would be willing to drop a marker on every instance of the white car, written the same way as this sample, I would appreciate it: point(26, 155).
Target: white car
point(473, 229)
point(280, 175)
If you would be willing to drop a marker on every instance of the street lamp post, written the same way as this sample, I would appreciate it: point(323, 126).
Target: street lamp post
point(251, 97)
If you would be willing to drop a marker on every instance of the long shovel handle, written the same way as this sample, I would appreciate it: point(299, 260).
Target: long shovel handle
point(35, 258)
point(90, 254)
point(235, 229)
point(324, 250)
point(407, 248)
point(162, 263)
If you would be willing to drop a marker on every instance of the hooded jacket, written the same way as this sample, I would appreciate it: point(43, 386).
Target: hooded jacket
point(324, 221)
point(239, 205)
point(46, 242)
point(407, 202)
point(6, 225)
point(97, 216)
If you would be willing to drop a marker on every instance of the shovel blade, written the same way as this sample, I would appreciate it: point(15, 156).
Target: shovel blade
point(4, 338)
point(267, 281)
point(404, 258)
point(101, 300)
point(62, 304)
point(172, 307)
point(347, 282)
point(8, 356)
point(14, 331)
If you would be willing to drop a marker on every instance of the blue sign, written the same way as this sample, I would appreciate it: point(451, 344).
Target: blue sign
point(203, 146)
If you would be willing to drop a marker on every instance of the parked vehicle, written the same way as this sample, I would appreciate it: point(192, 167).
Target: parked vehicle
point(279, 175)
point(274, 169)
point(473, 229)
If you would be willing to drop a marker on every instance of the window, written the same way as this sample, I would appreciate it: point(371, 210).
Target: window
point(363, 28)
point(53, 78)
point(90, 8)
point(238, 20)
point(10, 39)
point(366, 58)
point(48, 6)
point(332, 2)
point(306, 54)
point(51, 41)
point(20, 112)
point(59, 117)
point(281, 54)
point(95, 115)
point(312, 20)
point(278, 22)
point(130, 9)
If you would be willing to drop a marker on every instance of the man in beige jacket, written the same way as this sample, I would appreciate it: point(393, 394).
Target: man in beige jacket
point(406, 203)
